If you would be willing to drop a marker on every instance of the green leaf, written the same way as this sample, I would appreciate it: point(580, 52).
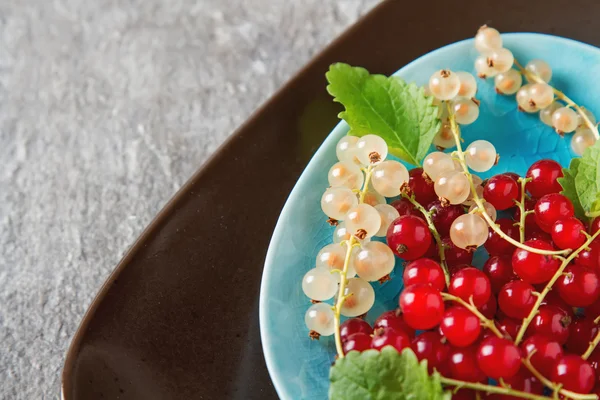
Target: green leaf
point(386, 106)
point(568, 184)
point(374, 375)
point(587, 179)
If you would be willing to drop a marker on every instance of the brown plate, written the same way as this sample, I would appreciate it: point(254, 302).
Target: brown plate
point(178, 318)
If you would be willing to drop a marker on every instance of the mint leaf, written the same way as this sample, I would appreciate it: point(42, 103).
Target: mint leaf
point(568, 184)
point(374, 375)
point(587, 179)
point(386, 106)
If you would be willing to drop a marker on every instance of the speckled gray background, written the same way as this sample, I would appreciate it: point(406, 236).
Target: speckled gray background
point(106, 108)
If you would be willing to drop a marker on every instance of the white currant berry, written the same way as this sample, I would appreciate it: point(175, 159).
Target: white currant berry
point(540, 68)
point(465, 110)
point(371, 149)
point(541, 94)
point(480, 155)
point(373, 198)
point(564, 120)
point(388, 177)
point(483, 69)
point(388, 214)
point(373, 261)
point(589, 114)
point(524, 99)
point(345, 150)
point(500, 60)
point(444, 84)
point(468, 84)
point(437, 163)
point(337, 201)
point(468, 230)
point(344, 174)
point(487, 39)
point(477, 183)
point(508, 82)
point(582, 139)
point(332, 257)
point(452, 186)
point(361, 298)
point(546, 113)
point(320, 284)
point(444, 138)
point(321, 319)
point(489, 209)
point(363, 221)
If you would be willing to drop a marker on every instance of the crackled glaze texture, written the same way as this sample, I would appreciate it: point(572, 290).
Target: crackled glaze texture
point(299, 367)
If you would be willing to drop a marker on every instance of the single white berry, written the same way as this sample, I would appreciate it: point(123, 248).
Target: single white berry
point(373, 261)
point(465, 110)
point(500, 60)
point(468, 84)
point(540, 68)
point(582, 139)
point(388, 177)
point(437, 163)
point(337, 201)
point(371, 149)
point(546, 113)
point(524, 99)
point(388, 214)
point(444, 138)
point(345, 174)
point(321, 319)
point(487, 39)
point(345, 150)
point(508, 82)
point(361, 298)
point(468, 230)
point(483, 69)
point(452, 186)
point(363, 221)
point(564, 120)
point(480, 155)
point(541, 94)
point(320, 284)
point(444, 84)
point(581, 121)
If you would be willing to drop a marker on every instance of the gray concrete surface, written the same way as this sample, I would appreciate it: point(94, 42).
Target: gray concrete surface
point(106, 108)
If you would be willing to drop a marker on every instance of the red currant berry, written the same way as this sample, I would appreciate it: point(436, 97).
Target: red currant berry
point(529, 218)
point(409, 237)
point(470, 283)
point(535, 232)
point(509, 326)
point(525, 382)
point(495, 245)
point(443, 216)
point(489, 309)
point(544, 175)
point(513, 175)
point(422, 306)
point(552, 322)
point(424, 271)
point(352, 326)
point(358, 342)
point(550, 209)
point(498, 358)
point(568, 233)
point(405, 207)
point(422, 186)
point(432, 346)
point(390, 337)
point(455, 255)
point(499, 271)
point(579, 286)
point(393, 319)
point(554, 299)
point(462, 364)
point(590, 257)
point(432, 252)
point(516, 299)
point(533, 267)
point(581, 332)
point(574, 373)
point(545, 351)
point(595, 225)
point(501, 191)
point(460, 326)
point(594, 360)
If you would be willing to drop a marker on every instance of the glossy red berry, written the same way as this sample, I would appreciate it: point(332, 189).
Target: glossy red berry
point(422, 306)
point(499, 271)
point(512, 175)
point(544, 175)
point(455, 255)
point(358, 342)
point(533, 267)
point(552, 322)
point(578, 286)
point(568, 233)
point(501, 191)
point(393, 319)
point(471, 283)
point(581, 332)
point(405, 207)
point(516, 299)
point(495, 245)
point(432, 346)
point(550, 209)
point(498, 358)
point(595, 225)
point(462, 365)
point(426, 271)
point(574, 373)
point(422, 186)
point(352, 326)
point(535, 232)
point(460, 326)
point(509, 326)
point(594, 360)
point(523, 381)
point(409, 237)
point(553, 298)
point(390, 337)
point(546, 352)
point(443, 216)
point(489, 309)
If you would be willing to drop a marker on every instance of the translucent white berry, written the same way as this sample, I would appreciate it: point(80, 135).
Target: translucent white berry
point(468, 84)
point(546, 113)
point(477, 181)
point(508, 82)
point(500, 60)
point(319, 284)
point(341, 233)
point(524, 99)
point(452, 186)
point(320, 318)
point(337, 201)
point(361, 298)
point(371, 149)
point(589, 114)
point(487, 39)
point(332, 257)
point(373, 198)
point(480, 155)
point(444, 138)
point(483, 69)
point(444, 84)
point(465, 110)
point(564, 120)
point(541, 94)
point(388, 177)
point(346, 149)
point(344, 174)
point(468, 230)
point(388, 214)
point(540, 68)
point(489, 210)
point(582, 139)
point(437, 163)
point(373, 261)
point(363, 217)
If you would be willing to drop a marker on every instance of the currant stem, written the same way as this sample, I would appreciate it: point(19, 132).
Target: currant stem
point(591, 347)
point(555, 387)
point(479, 202)
point(543, 293)
point(485, 322)
point(434, 233)
point(490, 389)
point(522, 211)
point(337, 308)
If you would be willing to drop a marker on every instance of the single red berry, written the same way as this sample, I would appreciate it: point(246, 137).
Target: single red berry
point(568, 233)
point(552, 322)
point(489, 309)
point(513, 175)
point(553, 298)
point(426, 271)
point(455, 255)
point(422, 306)
point(495, 245)
point(574, 373)
point(471, 283)
point(393, 319)
point(523, 381)
point(544, 175)
point(432, 346)
point(422, 186)
point(546, 352)
point(501, 191)
point(390, 337)
point(595, 225)
point(509, 326)
point(535, 232)
point(358, 342)
point(460, 326)
point(352, 326)
point(462, 364)
point(579, 286)
point(533, 267)
point(498, 358)
point(499, 271)
point(516, 299)
point(443, 216)
point(590, 256)
point(581, 332)
point(405, 207)
point(551, 208)
point(409, 237)
point(594, 360)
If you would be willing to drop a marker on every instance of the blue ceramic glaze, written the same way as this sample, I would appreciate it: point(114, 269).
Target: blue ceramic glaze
point(298, 366)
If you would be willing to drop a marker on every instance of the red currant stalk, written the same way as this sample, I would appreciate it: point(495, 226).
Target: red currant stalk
point(523, 213)
point(485, 322)
point(480, 387)
point(592, 346)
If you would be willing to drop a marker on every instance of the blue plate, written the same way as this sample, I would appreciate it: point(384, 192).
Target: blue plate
point(299, 366)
